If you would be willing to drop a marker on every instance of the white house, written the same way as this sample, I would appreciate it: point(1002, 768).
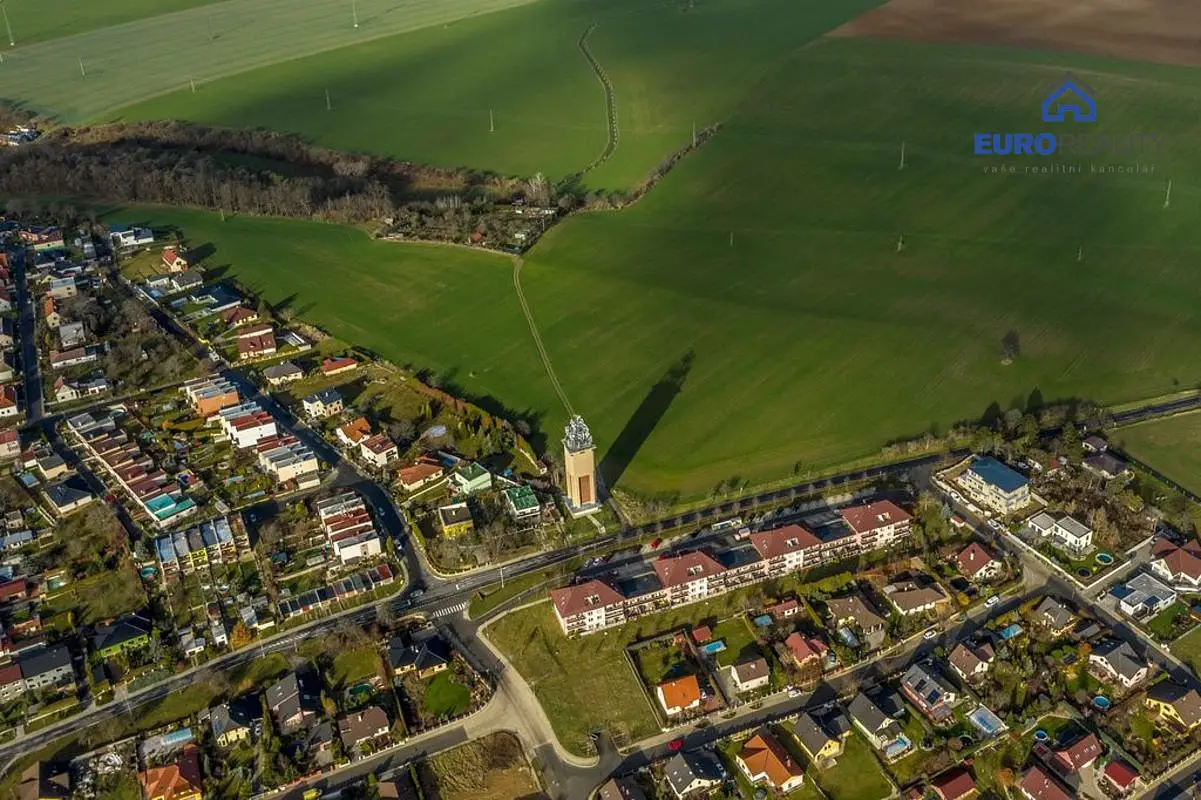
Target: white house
point(1116, 661)
point(1143, 596)
point(1066, 533)
point(751, 675)
point(995, 485)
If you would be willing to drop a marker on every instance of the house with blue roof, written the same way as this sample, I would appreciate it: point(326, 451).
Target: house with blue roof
point(995, 485)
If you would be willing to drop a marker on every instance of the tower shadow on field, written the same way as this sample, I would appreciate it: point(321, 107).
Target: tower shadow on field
point(644, 420)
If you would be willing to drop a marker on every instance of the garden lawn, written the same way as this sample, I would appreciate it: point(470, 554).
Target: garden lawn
point(444, 697)
point(1171, 446)
point(662, 661)
point(740, 642)
point(1188, 649)
point(856, 776)
point(1173, 621)
point(350, 666)
point(728, 750)
point(904, 770)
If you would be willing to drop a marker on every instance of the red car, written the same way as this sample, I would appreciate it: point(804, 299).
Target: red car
point(655, 544)
point(675, 744)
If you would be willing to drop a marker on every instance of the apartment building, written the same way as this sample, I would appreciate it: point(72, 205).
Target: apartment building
point(286, 458)
point(348, 527)
point(156, 492)
point(995, 485)
point(689, 577)
point(246, 424)
point(213, 541)
point(210, 395)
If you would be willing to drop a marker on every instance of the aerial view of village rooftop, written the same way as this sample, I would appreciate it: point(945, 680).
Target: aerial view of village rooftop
point(600, 400)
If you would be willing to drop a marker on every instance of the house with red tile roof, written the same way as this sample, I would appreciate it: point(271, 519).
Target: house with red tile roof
point(379, 450)
point(50, 312)
point(174, 260)
point(679, 695)
point(689, 577)
point(787, 549)
point(805, 650)
point(1078, 755)
point(239, 315)
point(8, 401)
point(336, 366)
point(353, 433)
point(12, 683)
point(977, 564)
point(1121, 777)
point(763, 759)
point(177, 781)
point(957, 784)
point(10, 444)
point(418, 474)
point(256, 342)
point(877, 524)
point(1179, 565)
point(1038, 784)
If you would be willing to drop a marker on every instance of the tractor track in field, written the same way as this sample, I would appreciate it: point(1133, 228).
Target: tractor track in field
point(529, 318)
point(614, 132)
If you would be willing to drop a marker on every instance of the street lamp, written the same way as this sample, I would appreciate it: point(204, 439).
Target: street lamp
point(4, 10)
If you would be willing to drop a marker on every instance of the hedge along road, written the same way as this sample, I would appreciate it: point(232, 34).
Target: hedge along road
point(80, 77)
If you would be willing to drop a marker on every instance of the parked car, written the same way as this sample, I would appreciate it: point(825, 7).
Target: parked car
point(992, 601)
point(655, 544)
point(996, 526)
point(930, 634)
point(675, 745)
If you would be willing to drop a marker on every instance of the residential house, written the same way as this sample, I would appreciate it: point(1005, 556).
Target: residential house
point(40, 781)
point(213, 541)
point(246, 424)
point(1054, 616)
point(40, 238)
point(805, 650)
point(455, 519)
point(50, 312)
point(855, 611)
point(63, 288)
point(286, 458)
point(239, 315)
point(71, 334)
point(1121, 778)
point(977, 564)
point(933, 696)
point(336, 366)
point(614, 789)
point(750, 675)
point(522, 502)
point(424, 652)
point(7, 332)
point(8, 401)
point(292, 704)
point(323, 404)
point(954, 784)
point(365, 725)
point(784, 609)
point(1143, 596)
point(208, 396)
point(763, 759)
point(285, 372)
point(379, 451)
point(353, 433)
point(995, 485)
point(1106, 465)
point(10, 444)
point(123, 236)
point(881, 730)
point(230, 723)
point(679, 695)
point(1179, 565)
point(6, 300)
point(67, 496)
point(12, 683)
point(297, 341)
point(822, 738)
point(419, 474)
point(1037, 784)
point(470, 478)
point(587, 607)
point(6, 366)
point(127, 633)
point(48, 667)
point(1079, 754)
point(1177, 706)
point(1094, 444)
point(174, 260)
point(73, 357)
point(179, 780)
point(257, 341)
point(911, 598)
point(187, 280)
point(1115, 661)
point(693, 772)
point(972, 661)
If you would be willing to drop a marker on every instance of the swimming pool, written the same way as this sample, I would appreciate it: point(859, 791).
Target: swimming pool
point(986, 721)
point(1101, 702)
point(713, 647)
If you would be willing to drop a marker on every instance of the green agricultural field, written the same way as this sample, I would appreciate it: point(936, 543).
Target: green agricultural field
point(39, 20)
point(426, 96)
point(1172, 446)
point(753, 313)
point(153, 55)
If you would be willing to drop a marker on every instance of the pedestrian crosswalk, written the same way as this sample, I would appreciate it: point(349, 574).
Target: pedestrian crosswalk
point(446, 612)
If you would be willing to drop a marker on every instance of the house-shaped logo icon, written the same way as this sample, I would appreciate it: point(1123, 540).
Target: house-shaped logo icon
point(1069, 100)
